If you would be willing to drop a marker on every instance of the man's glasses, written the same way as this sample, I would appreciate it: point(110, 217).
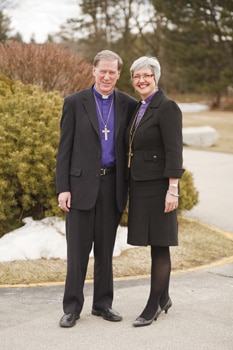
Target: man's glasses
point(143, 76)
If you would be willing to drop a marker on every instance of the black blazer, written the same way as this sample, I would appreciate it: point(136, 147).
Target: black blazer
point(157, 145)
point(79, 153)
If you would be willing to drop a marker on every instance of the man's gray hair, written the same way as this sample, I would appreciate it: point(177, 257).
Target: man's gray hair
point(108, 55)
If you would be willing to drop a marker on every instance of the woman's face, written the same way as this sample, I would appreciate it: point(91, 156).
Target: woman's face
point(144, 82)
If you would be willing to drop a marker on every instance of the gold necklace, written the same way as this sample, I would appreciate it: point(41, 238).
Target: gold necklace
point(134, 128)
point(132, 133)
point(105, 131)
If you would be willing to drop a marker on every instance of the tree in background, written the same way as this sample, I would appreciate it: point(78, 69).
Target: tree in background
point(5, 21)
point(191, 38)
point(4, 27)
point(198, 45)
point(102, 23)
point(50, 66)
point(109, 24)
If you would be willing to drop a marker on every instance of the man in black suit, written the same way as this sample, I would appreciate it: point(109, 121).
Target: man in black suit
point(91, 184)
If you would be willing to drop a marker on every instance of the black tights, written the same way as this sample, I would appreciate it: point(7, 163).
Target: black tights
point(160, 276)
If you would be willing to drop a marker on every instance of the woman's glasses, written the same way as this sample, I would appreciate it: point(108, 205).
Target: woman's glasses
point(143, 76)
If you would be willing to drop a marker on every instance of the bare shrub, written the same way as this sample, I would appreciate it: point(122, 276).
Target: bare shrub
point(50, 66)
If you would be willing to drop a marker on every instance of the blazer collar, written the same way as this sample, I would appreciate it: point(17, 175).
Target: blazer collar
point(157, 99)
point(119, 110)
point(89, 104)
point(154, 104)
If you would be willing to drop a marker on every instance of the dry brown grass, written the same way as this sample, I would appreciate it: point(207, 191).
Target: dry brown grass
point(199, 245)
point(221, 121)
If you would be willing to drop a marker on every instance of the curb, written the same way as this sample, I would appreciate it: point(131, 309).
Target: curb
point(223, 261)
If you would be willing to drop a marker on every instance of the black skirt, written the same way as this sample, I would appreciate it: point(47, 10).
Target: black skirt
point(147, 222)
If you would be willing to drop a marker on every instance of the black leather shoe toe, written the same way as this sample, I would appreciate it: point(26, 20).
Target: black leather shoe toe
point(68, 320)
point(108, 314)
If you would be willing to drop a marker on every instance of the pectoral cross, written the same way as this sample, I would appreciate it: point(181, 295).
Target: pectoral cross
point(105, 132)
point(130, 155)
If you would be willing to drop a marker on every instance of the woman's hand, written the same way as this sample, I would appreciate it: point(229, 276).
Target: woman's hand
point(171, 201)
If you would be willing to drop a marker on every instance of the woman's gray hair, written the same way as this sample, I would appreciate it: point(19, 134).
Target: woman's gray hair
point(147, 62)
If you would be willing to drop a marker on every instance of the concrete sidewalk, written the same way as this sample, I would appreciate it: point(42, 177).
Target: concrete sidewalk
point(213, 178)
point(201, 316)
point(202, 313)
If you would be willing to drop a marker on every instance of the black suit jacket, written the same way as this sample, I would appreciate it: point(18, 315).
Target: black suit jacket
point(157, 144)
point(79, 152)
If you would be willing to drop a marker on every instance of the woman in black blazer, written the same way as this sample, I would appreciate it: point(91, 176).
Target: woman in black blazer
point(155, 167)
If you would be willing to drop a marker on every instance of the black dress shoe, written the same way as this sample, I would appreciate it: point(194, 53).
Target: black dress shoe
point(68, 320)
point(141, 322)
point(108, 314)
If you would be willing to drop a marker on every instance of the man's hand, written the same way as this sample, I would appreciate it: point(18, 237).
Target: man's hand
point(64, 200)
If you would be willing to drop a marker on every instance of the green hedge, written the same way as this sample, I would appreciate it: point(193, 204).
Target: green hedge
point(29, 136)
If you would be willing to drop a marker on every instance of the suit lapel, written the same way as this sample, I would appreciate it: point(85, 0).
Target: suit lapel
point(119, 112)
point(89, 104)
point(155, 102)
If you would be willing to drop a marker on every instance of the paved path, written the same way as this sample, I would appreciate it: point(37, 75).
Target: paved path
point(201, 317)
point(213, 178)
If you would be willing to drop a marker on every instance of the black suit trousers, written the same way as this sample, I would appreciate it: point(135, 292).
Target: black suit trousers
point(86, 229)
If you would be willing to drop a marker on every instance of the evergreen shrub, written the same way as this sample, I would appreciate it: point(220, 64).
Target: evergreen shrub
point(29, 135)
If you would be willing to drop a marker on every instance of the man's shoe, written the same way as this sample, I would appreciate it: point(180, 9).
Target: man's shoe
point(68, 320)
point(108, 314)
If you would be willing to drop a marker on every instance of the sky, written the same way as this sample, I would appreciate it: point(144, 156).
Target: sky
point(40, 17)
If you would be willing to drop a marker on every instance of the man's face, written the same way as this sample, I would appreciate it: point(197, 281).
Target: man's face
point(106, 75)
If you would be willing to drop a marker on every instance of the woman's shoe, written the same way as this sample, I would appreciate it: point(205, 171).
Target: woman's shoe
point(166, 306)
point(140, 321)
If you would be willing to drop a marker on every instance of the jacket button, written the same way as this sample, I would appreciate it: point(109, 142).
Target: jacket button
point(154, 156)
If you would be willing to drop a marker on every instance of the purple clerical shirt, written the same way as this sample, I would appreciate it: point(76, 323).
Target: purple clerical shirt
point(108, 146)
point(144, 104)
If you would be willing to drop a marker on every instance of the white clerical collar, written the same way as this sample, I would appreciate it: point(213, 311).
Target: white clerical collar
point(149, 98)
point(104, 97)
